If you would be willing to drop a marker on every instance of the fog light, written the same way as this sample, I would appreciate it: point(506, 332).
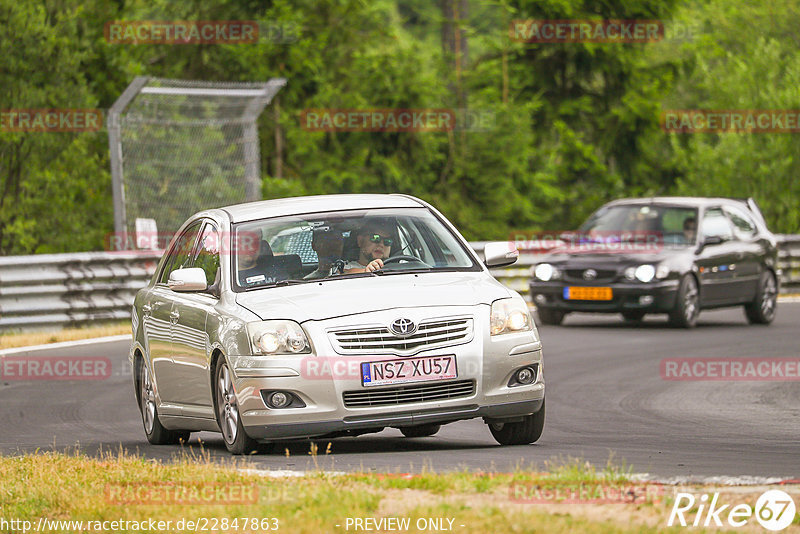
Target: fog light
point(540, 299)
point(525, 375)
point(279, 399)
point(646, 300)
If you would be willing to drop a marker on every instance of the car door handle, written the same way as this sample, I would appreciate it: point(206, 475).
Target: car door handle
point(174, 316)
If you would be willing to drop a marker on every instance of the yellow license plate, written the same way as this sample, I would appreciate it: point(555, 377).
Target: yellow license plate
point(588, 293)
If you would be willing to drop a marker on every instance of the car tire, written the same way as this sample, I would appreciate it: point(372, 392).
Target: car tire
point(687, 304)
point(226, 408)
point(153, 429)
point(553, 317)
point(420, 431)
point(529, 430)
point(762, 309)
point(633, 316)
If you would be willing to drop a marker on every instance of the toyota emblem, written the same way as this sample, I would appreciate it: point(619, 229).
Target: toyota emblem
point(403, 327)
point(589, 274)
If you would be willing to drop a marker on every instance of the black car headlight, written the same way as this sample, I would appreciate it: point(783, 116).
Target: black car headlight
point(546, 272)
point(643, 273)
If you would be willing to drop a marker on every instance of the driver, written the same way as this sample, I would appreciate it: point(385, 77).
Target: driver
point(374, 245)
point(690, 229)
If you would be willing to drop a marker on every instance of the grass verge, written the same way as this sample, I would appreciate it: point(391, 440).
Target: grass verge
point(27, 339)
point(127, 488)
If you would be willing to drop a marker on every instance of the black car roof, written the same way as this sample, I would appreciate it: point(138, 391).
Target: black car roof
point(694, 202)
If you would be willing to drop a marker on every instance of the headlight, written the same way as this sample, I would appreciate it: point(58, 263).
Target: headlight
point(645, 273)
point(278, 337)
point(509, 316)
point(662, 271)
point(546, 272)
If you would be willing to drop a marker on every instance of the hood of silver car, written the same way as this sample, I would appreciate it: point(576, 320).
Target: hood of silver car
point(338, 298)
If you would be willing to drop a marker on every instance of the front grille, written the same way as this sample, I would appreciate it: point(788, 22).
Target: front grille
point(604, 274)
point(432, 333)
point(407, 394)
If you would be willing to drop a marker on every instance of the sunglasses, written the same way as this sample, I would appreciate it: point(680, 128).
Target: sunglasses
point(376, 238)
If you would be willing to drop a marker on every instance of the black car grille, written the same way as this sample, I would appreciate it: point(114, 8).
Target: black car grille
point(408, 394)
point(602, 275)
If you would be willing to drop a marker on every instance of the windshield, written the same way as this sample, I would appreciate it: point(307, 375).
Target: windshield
point(325, 246)
point(670, 226)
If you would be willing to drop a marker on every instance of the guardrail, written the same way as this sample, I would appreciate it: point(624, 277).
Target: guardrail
point(48, 290)
point(70, 289)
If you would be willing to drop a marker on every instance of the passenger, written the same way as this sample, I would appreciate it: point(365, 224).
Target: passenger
point(690, 229)
point(374, 245)
point(327, 242)
point(251, 263)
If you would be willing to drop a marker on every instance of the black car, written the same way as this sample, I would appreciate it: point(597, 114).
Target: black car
point(639, 256)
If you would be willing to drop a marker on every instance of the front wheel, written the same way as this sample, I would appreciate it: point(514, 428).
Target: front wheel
point(153, 429)
point(762, 309)
point(529, 430)
point(227, 409)
point(687, 304)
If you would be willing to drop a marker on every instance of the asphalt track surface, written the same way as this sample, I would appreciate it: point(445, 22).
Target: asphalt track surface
point(605, 399)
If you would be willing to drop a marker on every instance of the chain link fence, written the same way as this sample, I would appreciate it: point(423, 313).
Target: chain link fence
point(181, 146)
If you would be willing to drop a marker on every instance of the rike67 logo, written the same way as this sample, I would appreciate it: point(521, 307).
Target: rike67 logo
point(774, 510)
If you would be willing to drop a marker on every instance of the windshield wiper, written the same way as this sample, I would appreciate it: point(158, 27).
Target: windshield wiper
point(280, 283)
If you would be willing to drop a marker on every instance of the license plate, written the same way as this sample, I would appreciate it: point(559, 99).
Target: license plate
point(588, 293)
point(408, 370)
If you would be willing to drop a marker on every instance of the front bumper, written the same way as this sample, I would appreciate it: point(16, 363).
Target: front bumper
point(377, 421)
point(321, 381)
point(625, 297)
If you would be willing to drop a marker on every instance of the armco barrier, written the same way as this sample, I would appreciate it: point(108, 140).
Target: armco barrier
point(70, 289)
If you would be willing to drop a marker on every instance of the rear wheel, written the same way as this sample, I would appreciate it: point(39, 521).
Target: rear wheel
point(762, 309)
point(529, 430)
point(226, 407)
point(550, 316)
point(420, 431)
point(687, 304)
point(153, 429)
point(633, 316)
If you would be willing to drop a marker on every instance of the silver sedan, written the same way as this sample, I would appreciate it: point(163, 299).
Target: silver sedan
point(329, 316)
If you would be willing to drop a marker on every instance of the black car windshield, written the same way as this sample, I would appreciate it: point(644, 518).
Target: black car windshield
point(660, 225)
point(324, 246)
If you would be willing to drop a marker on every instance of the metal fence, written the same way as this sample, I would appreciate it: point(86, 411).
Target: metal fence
point(72, 289)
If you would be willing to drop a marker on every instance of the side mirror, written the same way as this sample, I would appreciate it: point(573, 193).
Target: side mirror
point(500, 254)
point(185, 280)
point(712, 240)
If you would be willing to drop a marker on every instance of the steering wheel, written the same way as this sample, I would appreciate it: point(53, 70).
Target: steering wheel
point(401, 257)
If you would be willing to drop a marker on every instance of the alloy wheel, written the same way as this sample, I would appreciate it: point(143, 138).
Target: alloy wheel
point(148, 400)
point(227, 406)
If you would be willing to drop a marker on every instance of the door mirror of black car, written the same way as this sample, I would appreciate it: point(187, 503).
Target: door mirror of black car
point(712, 240)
